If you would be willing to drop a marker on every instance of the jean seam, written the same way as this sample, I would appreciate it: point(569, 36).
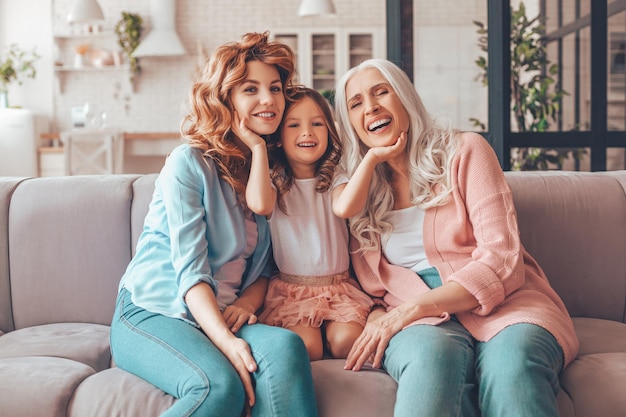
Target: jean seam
point(165, 345)
point(463, 387)
point(270, 386)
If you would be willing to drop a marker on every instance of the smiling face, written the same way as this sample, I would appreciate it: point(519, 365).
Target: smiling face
point(304, 137)
point(260, 98)
point(375, 110)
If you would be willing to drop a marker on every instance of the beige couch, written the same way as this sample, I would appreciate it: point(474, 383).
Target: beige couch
point(65, 242)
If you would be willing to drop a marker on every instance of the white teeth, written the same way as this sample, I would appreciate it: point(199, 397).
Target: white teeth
point(306, 145)
point(378, 123)
point(265, 114)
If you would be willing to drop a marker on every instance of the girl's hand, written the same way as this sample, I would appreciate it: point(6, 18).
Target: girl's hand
point(247, 136)
point(237, 316)
point(371, 344)
point(386, 153)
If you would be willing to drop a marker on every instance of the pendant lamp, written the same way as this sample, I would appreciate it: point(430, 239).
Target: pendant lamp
point(85, 11)
point(316, 7)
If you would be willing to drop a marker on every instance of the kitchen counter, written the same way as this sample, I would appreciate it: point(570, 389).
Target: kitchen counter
point(144, 152)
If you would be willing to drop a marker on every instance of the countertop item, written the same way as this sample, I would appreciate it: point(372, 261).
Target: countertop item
point(18, 148)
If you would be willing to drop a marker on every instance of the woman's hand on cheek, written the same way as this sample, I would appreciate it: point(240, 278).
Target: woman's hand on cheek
point(247, 136)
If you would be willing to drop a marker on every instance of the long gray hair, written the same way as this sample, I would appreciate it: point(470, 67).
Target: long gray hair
point(429, 151)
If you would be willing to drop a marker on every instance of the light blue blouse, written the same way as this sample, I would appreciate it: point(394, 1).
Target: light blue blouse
point(194, 226)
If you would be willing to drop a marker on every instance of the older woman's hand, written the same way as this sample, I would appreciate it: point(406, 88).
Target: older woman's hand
point(388, 153)
point(371, 344)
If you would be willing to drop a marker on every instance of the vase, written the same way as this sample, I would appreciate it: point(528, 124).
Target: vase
point(4, 99)
point(78, 61)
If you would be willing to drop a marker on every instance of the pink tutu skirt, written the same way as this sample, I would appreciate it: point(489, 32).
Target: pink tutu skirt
point(304, 302)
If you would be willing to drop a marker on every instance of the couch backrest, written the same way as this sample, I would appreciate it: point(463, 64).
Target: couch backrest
point(574, 225)
point(66, 241)
point(69, 244)
point(143, 189)
point(7, 187)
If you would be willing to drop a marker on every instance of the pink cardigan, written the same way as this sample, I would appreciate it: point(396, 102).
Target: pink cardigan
point(474, 240)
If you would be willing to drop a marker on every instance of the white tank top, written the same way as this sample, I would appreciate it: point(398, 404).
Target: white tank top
point(309, 240)
point(404, 245)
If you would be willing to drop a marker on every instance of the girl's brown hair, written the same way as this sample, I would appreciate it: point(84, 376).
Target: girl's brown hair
point(281, 172)
point(207, 126)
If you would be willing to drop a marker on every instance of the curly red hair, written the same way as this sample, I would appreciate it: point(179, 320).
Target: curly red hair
point(207, 126)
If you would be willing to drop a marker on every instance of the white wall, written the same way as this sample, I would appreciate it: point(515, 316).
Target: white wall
point(160, 94)
point(27, 23)
point(443, 74)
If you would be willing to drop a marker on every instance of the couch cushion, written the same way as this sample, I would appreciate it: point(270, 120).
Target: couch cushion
point(38, 386)
point(596, 384)
point(599, 336)
point(81, 342)
point(50, 221)
point(367, 393)
point(115, 392)
point(565, 404)
point(573, 224)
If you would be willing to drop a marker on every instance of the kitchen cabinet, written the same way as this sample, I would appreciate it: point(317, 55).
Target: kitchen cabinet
point(324, 61)
point(324, 54)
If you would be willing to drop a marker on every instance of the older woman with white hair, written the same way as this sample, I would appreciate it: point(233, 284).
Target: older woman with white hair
point(465, 319)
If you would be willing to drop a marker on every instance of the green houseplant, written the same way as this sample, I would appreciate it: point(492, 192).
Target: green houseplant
point(15, 65)
point(329, 95)
point(535, 94)
point(128, 30)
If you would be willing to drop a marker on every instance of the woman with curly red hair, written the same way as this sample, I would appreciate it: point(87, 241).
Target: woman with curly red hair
point(185, 318)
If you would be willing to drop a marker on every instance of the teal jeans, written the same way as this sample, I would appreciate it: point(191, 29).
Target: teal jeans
point(178, 358)
point(443, 371)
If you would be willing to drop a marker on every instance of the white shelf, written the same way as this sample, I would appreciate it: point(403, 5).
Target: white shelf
point(92, 68)
point(102, 40)
point(86, 35)
point(63, 71)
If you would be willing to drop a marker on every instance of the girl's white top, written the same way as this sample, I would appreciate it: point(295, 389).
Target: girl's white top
point(309, 240)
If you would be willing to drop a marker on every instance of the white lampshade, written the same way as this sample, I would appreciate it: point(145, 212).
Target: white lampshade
point(316, 7)
point(162, 39)
point(85, 11)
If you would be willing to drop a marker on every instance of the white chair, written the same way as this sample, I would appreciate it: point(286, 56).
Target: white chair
point(93, 151)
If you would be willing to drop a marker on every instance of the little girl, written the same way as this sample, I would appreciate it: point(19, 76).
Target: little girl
point(313, 293)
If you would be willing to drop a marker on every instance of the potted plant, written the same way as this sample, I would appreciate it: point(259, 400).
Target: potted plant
point(128, 30)
point(329, 95)
point(535, 94)
point(15, 65)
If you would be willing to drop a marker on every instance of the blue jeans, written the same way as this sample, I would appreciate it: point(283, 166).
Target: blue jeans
point(443, 371)
point(179, 359)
